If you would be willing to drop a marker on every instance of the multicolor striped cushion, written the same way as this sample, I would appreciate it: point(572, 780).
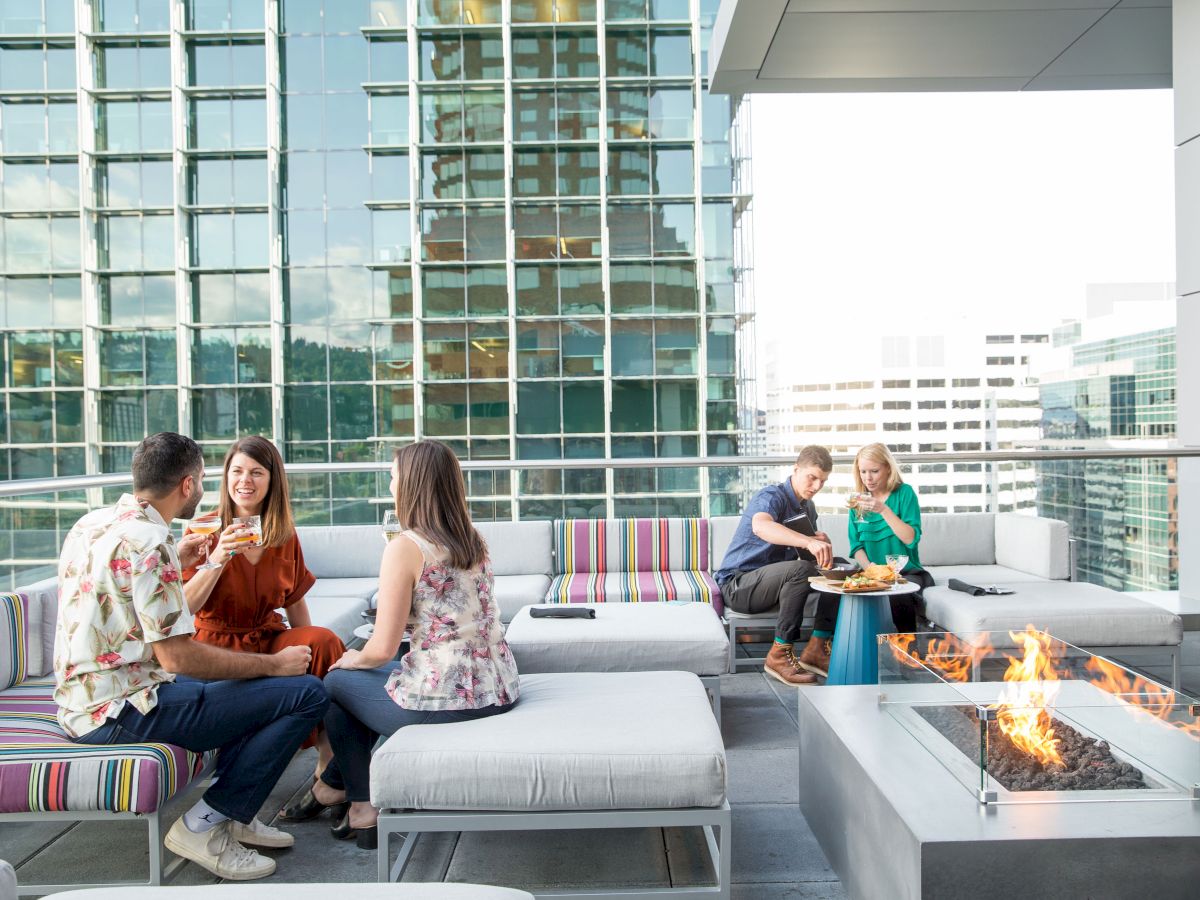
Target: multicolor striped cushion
point(635, 587)
point(42, 770)
point(631, 561)
point(14, 639)
point(630, 545)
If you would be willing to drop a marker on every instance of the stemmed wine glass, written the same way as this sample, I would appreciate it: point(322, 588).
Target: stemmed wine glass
point(206, 524)
point(391, 524)
point(896, 562)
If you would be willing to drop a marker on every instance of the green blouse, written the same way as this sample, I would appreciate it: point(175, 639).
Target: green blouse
point(873, 535)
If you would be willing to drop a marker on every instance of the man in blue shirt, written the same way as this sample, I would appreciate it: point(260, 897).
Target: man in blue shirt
point(774, 551)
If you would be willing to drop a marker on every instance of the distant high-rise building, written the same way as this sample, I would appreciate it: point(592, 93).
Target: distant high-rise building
point(516, 226)
point(1113, 385)
point(923, 394)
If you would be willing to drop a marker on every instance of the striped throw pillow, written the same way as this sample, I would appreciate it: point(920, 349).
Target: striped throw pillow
point(14, 639)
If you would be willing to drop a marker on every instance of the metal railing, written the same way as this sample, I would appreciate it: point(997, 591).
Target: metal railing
point(1127, 545)
point(28, 486)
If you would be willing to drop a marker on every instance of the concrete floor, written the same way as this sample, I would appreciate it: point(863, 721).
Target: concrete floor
point(775, 855)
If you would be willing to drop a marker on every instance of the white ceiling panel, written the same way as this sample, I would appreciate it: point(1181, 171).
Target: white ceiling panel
point(922, 45)
point(940, 45)
point(1127, 44)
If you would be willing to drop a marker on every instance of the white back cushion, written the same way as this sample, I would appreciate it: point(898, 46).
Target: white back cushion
point(342, 551)
point(720, 533)
point(958, 539)
point(519, 548)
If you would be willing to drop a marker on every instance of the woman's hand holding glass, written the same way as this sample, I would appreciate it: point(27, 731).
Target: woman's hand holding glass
point(236, 536)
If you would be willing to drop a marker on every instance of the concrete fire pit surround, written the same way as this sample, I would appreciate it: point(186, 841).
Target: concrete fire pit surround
point(894, 823)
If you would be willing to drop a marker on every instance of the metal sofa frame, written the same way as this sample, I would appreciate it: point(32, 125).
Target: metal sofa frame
point(412, 824)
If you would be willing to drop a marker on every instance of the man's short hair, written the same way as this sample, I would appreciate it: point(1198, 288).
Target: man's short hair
point(814, 455)
point(163, 460)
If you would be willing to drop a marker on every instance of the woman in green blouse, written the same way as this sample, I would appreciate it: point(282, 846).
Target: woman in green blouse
point(886, 520)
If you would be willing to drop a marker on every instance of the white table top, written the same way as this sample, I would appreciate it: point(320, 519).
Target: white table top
point(909, 587)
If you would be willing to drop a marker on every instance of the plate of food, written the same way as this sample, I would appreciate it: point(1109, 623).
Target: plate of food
point(862, 583)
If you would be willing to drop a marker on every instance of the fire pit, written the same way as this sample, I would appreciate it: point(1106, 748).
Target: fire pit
point(1020, 717)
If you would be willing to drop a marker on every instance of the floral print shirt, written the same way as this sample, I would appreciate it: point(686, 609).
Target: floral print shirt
point(458, 657)
point(118, 592)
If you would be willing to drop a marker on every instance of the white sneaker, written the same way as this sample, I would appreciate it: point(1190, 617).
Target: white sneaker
point(256, 834)
point(217, 851)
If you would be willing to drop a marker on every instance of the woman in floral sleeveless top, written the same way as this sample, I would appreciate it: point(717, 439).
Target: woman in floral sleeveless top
point(436, 579)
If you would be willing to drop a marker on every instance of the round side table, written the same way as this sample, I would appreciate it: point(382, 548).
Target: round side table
point(855, 656)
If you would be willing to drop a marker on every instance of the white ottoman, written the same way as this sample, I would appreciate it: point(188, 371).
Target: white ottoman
point(1086, 615)
point(579, 750)
point(626, 637)
point(234, 891)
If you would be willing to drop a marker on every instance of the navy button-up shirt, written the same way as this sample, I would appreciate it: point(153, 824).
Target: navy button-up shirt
point(747, 551)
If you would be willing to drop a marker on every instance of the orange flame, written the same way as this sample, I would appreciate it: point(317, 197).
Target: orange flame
point(1146, 695)
point(1031, 685)
point(948, 657)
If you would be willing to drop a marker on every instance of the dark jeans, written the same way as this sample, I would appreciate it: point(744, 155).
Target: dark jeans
point(782, 583)
point(360, 711)
point(904, 606)
point(255, 724)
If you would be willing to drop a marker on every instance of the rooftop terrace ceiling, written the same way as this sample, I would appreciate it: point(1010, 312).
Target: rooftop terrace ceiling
point(835, 46)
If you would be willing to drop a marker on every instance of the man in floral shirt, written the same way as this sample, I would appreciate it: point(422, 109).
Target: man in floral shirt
point(127, 670)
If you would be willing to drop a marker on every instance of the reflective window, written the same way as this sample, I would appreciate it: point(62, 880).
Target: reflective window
point(230, 297)
point(306, 412)
point(459, 12)
point(137, 357)
point(393, 352)
point(40, 244)
point(395, 412)
point(632, 405)
point(231, 356)
point(389, 177)
point(553, 10)
point(632, 347)
point(133, 15)
point(224, 15)
point(39, 185)
point(135, 184)
point(225, 414)
point(545, 231)
point(229, 240)
point(130, 67)
point(392, 233)
point(137, 299)
point(226, 64)
point(131, 243)
point(721, 346)
point(130, 126)
point(347, 179)
point(389, 119)
point(219, 182)
point(220, 124)
point(388, 61)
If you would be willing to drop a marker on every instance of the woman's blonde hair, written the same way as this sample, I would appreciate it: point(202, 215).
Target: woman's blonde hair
point(880, 454)
point(431, 499)
point(277, 523)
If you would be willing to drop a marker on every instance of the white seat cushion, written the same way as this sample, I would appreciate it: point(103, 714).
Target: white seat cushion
point(981, 576)
point(341, 615)
point(624, 637)
point(574, 741)
point(511, 592)
point(361, 588)
point(1086, 615)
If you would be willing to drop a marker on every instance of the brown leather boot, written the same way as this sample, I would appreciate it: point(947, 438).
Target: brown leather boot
point(780, 666)
point(815, 656)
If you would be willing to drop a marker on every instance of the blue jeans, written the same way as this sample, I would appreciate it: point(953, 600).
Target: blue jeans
point(360, 710)
point(256, 725)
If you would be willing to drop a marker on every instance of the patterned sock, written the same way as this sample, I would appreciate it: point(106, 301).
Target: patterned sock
point(202, 817)
point(822, 635)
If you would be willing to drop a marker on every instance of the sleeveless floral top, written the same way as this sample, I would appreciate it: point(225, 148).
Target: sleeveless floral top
point(458, 657)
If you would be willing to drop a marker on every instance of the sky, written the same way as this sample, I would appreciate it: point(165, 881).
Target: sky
point(877, 211)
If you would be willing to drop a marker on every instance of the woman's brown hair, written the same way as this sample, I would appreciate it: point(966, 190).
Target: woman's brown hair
point(277, 523)
point(431, 499)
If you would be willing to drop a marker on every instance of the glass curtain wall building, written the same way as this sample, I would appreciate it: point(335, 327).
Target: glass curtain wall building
point(1124, 513)
point(515, 226)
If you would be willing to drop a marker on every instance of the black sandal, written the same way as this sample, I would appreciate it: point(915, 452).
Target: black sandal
point(309, 807)
point(366, 838)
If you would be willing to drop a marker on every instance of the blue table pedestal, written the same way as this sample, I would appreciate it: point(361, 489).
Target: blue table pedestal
point(855, 655)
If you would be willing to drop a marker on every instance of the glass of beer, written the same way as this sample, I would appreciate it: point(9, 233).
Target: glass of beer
point(206, 524)
point(252, 534)
point(391, 525)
